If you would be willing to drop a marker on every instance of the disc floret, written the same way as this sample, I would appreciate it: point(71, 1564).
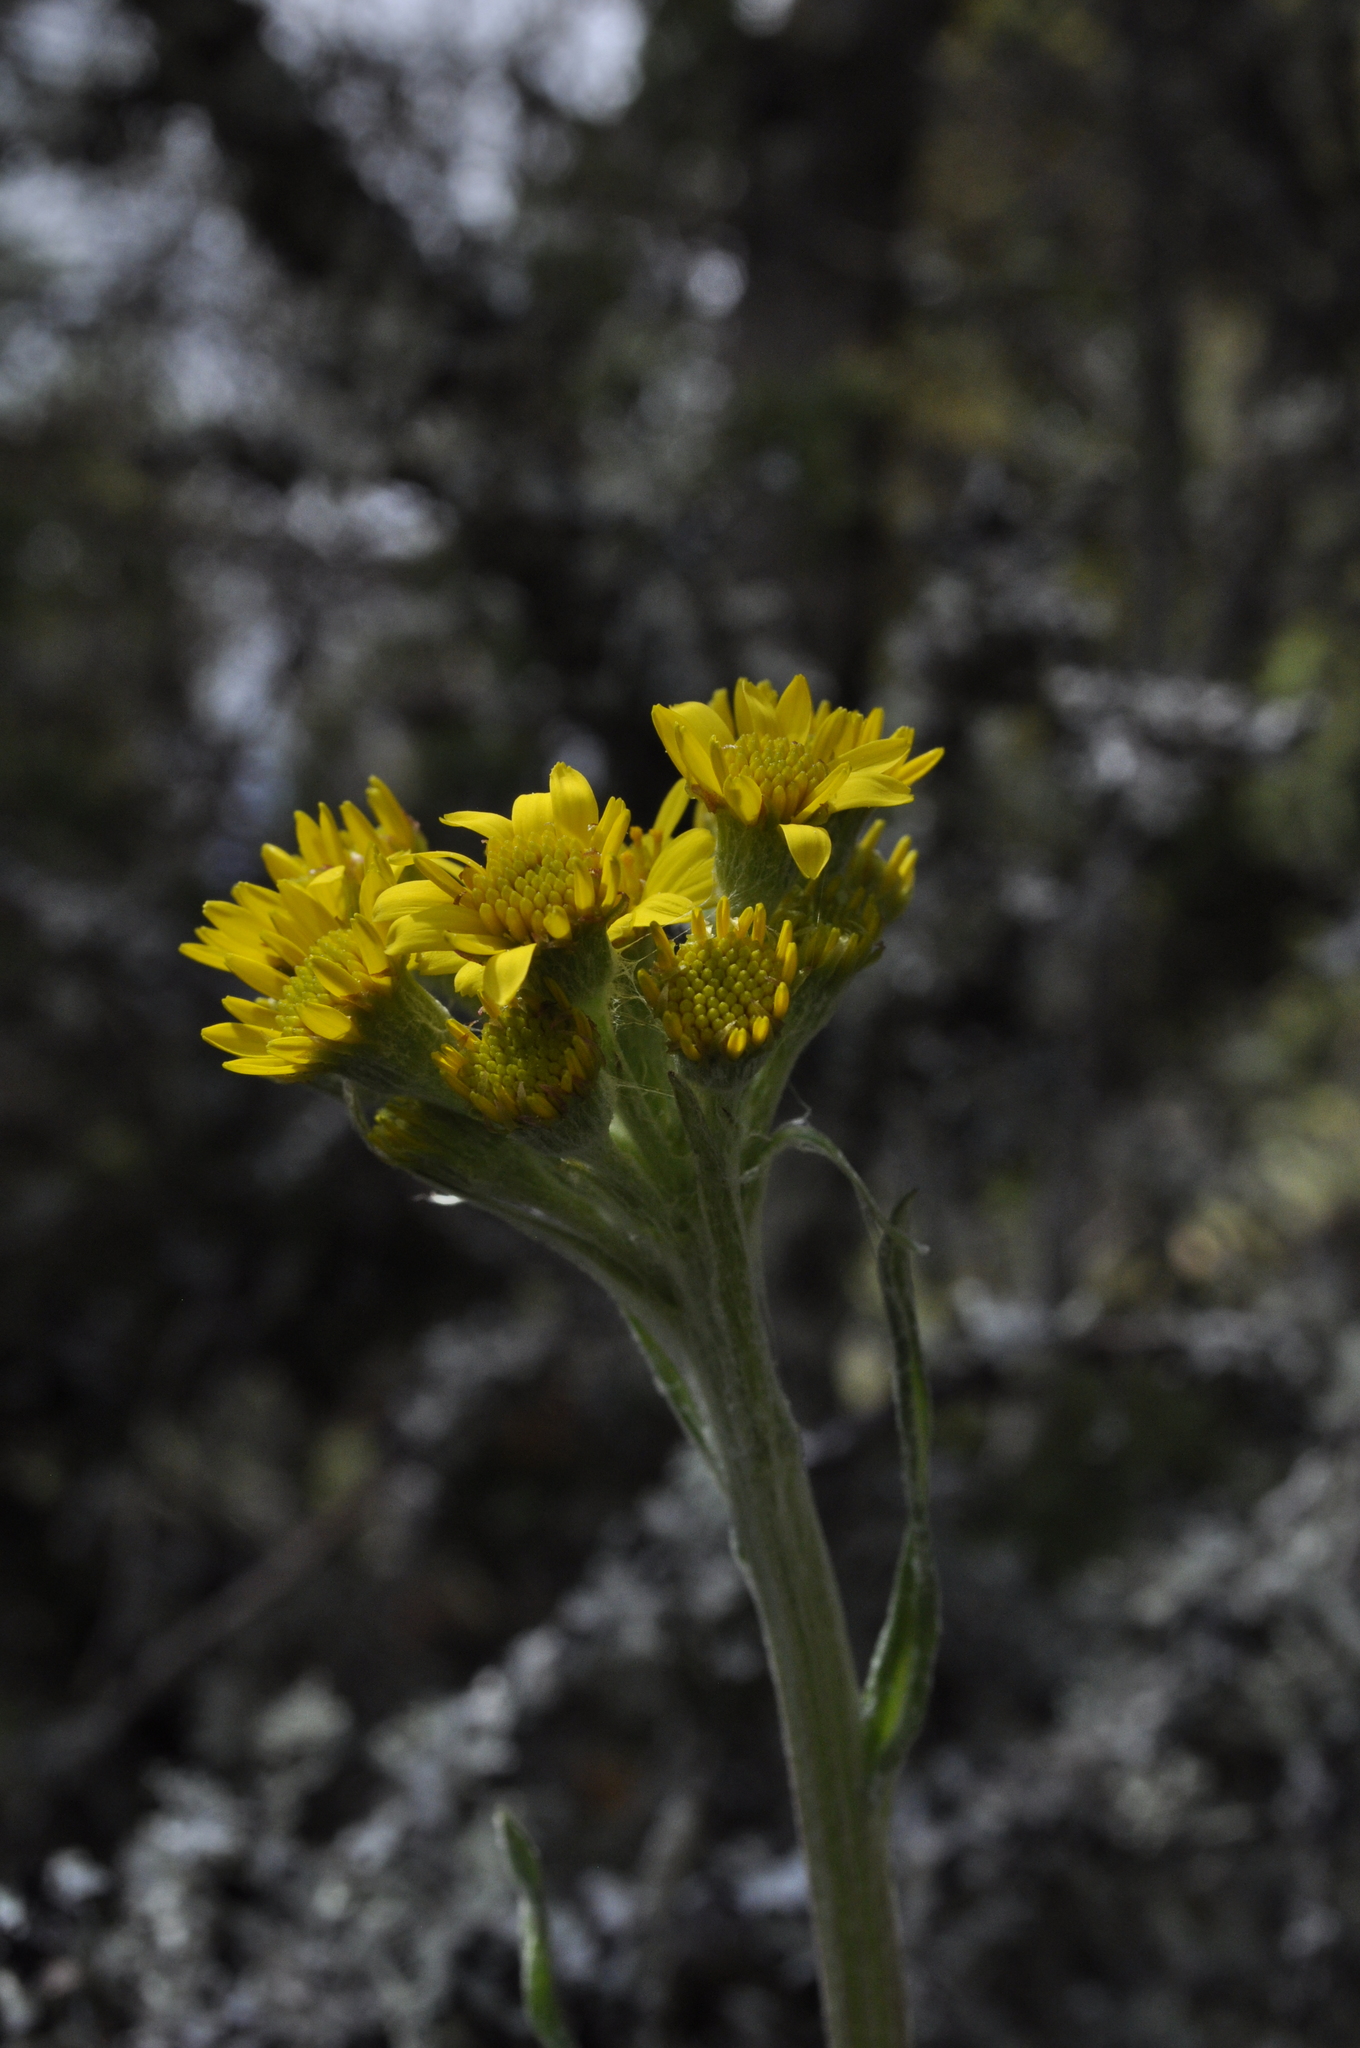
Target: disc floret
point(526, 1063)
point(724, 990)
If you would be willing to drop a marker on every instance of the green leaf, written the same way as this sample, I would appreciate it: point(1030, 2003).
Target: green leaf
point(893, 1702)
point(898, 1686)
point(674, 1388)
point(537, 1988)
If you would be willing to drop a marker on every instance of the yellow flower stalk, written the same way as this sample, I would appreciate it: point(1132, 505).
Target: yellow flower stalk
point(759, 754)
point(616, 1099)
point(314, 946)
point(554, 867)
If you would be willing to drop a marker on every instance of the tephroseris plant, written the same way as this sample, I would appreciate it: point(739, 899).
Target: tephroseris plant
point(641, 997)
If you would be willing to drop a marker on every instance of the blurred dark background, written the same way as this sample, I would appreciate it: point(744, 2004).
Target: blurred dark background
point(427, 388)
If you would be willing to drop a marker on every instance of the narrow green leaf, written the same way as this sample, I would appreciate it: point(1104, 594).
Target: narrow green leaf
point(537, 1988)
point(674, 1387)
point(897, 1688)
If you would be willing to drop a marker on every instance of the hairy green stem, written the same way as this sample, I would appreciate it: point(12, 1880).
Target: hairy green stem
point(782, 1550)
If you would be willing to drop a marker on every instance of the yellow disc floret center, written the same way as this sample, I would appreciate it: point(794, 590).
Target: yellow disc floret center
point(525, 1064)
point(725, 990)
point(785, 770)
point(536, 886)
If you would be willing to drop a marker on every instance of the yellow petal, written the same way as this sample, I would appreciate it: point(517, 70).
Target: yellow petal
point(237, 1038)
point(557, 924)
point(414, 899)
point(399, 827)
point(742, 794)
point(325, 1022)
point(912, 771)
point(829, 729)
point(414, 935)
point(573, 800)
point(330, 836)
point(371, 945)
point(872, 790)
point(686, 864)
point(490, 824)
point(307, 911)
point(281, 866)
point(614, 827)
point(206, 956)
point(469, 978)
point(261, 1016)
point(880, 753)
point(672, 809)
point(663, 907)
point(361, 834)
point(755, 707)
point(504, 976)
point(703, 763)
point(530, 813)
point(310, 844)
point(667, 731)
point(443, 869)
point(721, 703)
point(257, 974)
point(826, 792)
point(253, 914)
point(257, 902)
point(810, 847)
point(269, 1067)
point(794, 712)
point(702, 720)
point(337, 980)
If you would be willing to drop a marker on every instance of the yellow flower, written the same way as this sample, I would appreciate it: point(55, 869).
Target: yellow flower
point(728, 989)
point(724, 990)
point(526, 1063)
point(838, 921)
point(555, 866)
point(314, 947)
point(763, 755)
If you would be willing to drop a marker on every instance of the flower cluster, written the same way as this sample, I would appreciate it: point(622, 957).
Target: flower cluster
point(569, 907)
point(314, 948)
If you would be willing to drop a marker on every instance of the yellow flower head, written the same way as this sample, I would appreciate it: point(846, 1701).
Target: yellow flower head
point(314, 947)
point(762, 755)
point(839, 920)
point(526, 1063)
point(553, 867)
point(725, 990)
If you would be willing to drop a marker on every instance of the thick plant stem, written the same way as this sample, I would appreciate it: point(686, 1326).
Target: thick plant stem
point(782, 1549)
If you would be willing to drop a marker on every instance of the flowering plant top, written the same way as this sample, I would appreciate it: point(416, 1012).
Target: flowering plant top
point(587, 1031)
